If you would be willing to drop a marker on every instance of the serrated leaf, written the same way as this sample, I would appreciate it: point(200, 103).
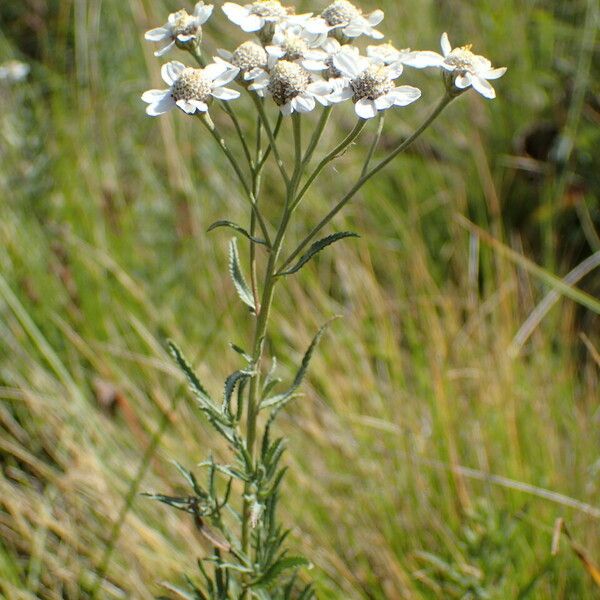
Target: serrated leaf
point(196, 387)
point(283, 398)
point(230, 383)
point(190, 478)
point(316, 248)
point(239, 281)
point(241, 352)
point(283, 564)
point(178, 502)
point(237, 228)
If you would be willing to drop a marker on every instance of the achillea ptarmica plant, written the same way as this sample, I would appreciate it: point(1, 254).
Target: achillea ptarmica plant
point(292, 65)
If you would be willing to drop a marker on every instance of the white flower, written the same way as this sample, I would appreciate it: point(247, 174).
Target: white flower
point(180, 27)
point(419, 59)
point(342, 16)
point(293, 88)
point(466, 69)
point(262, 14)
point(370, 84)
point(190, 89)
point(291, 42)
point(14, 71)
point(250, 58)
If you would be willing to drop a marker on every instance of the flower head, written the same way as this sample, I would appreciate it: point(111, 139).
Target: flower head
point(261, 16)
point(370, 84)
point(346, 21)
point(464, 69)
point(412, 58)
point(181, 28)
point(291, 42)
point(190, 89)
point(249, 58)
point(293, 88)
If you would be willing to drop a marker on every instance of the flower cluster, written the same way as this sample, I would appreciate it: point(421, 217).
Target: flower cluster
point(305, 60)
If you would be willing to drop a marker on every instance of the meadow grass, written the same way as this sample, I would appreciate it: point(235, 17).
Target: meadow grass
point(414, 398)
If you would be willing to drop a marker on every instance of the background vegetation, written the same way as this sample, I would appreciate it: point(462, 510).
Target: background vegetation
point(421, 391)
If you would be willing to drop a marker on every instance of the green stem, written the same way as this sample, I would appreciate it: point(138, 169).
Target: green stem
point(363, 179)
point(316, 137)
point(265, 120)
point(195, 52)
point(374, 144)
point(207, 122)
point(260, 331)
point(331, 156)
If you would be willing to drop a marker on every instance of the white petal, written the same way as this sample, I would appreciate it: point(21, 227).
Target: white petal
point(483, 87)
point(494, 73)
point(462, 81)
point(235, 13)
point(203, 11)
point(214, 70)
point(395, 70)
point(275, 51)
point(421, 60)
point(184, 38)
point(384, 102)
point(314, 65)
point(303, 103)
point(223, 93)
point(254, 74)
point(405, 94)
point(161, 107)
point(170, 71)
point(165, 49)
point(356, 28)
point(154, 96)
point(158, 34)
point(375, 18)
point(376, 35)
point(349, 65)
point(227, 77)
point(320, 88)
point(286, 109)
point(225, 54)
point(316, 25)
point(201, 106)
point(252, 23)
point(365, 108)
point(445, 43)
point(331, 46)
point(187, 106)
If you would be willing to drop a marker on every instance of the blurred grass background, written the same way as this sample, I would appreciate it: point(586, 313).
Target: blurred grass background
point(421, 391)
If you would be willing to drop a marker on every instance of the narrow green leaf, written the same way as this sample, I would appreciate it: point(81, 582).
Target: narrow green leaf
point(230, 383)
point(239, 281)
point(237, 228)
point(316, 248)
point(195, 385)
point(178, 502)
point(283, 564)
point(283, 398)
point(191, 479)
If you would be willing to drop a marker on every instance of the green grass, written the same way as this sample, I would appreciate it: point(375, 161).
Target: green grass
point(104, 255)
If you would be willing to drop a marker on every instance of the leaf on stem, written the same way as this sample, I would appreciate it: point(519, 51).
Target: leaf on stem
point(316, 248)
point(280, 399)
point(237, 228)
point(278, 568)
point(230, 384)
point(204, 400)
point(239, 281)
